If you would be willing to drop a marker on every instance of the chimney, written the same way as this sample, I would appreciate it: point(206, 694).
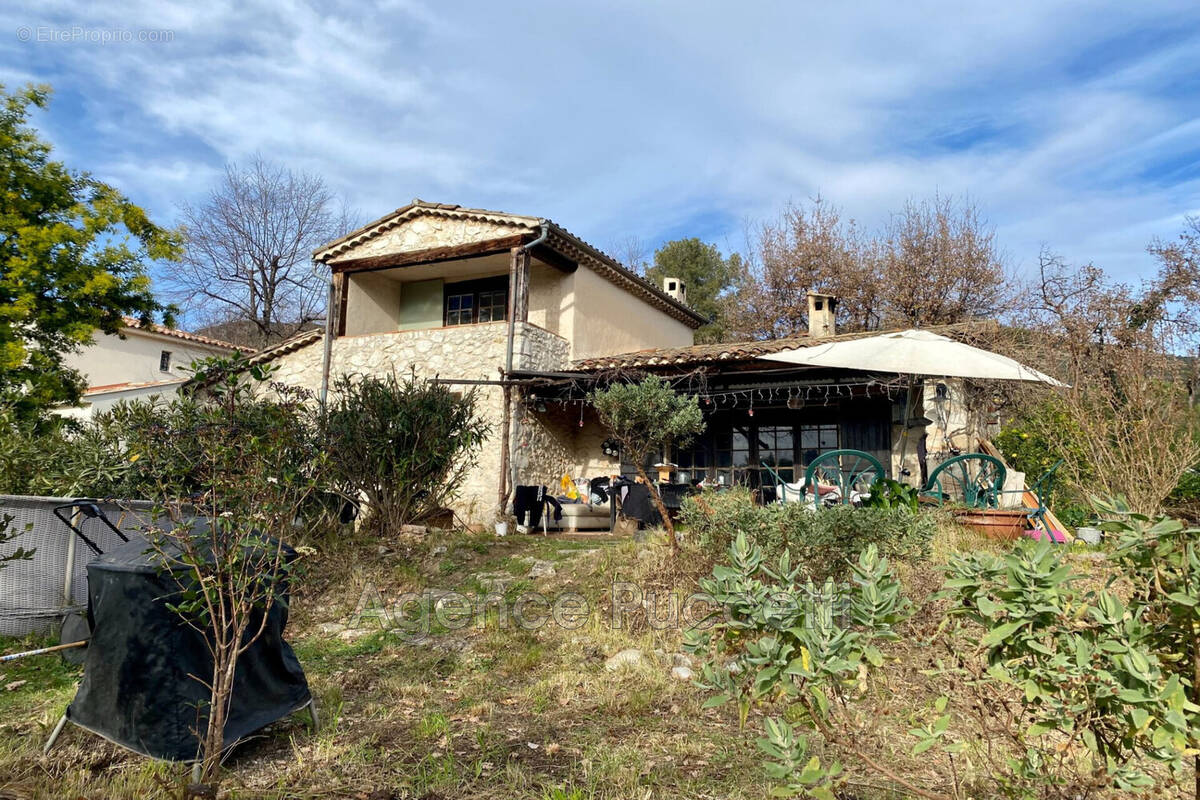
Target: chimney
point(675, 288)
point(821, 315)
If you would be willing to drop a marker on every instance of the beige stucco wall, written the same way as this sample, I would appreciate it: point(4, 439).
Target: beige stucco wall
point(372, 303)
point(606, 320)
point(551, 301)
point(110, 359)
point(473, 352)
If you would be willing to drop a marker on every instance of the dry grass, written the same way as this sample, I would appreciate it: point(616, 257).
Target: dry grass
point(499, 711)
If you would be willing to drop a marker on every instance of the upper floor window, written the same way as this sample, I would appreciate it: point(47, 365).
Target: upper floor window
point(164, 361)
point(484, 300)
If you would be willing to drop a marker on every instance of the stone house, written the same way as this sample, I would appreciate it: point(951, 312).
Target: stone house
point(531, 316)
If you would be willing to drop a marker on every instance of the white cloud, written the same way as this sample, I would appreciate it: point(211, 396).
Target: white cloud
point(654, 119)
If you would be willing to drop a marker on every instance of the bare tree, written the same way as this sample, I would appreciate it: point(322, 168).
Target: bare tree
point(935, 263)
point(1125, 424)
point(631, 251)
point(249, 244)
point(808, 248)
point(940, 264)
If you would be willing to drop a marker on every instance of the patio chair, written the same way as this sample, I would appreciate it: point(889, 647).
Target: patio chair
point(1038, 491)
point(846, 476)
point(977, 476)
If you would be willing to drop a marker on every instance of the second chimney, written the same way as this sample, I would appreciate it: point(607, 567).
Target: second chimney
point(675, 288)
point(821, 309)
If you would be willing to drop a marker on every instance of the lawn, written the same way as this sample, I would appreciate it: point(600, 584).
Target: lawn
point(497, 710)
point(491, 710)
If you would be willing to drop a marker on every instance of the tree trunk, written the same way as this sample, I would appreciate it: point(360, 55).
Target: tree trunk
point(662, 509)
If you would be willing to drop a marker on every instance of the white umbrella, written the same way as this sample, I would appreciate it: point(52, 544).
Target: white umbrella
point(913, 352)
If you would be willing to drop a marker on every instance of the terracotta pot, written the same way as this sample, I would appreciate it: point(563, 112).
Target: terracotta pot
point(1006, 524)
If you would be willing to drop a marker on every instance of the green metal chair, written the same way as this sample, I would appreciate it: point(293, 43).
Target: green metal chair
point(978, 476)
point(1041, 489)
point(851, 471)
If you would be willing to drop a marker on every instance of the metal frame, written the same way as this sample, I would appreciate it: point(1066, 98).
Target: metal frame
point(980, 490)
point(831, 467)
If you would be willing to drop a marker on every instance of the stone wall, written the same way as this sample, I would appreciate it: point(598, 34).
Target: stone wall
point(470, 352)
point(427, 231)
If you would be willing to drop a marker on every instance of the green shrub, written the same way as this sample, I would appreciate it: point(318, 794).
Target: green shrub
point(157, 447)
point(404, 445)
point(823, 541)
point(1083, 662)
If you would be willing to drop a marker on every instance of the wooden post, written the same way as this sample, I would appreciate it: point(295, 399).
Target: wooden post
point(521, 301)
point(518, 310)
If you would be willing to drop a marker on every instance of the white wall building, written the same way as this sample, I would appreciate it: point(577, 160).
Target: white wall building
point(139, 363)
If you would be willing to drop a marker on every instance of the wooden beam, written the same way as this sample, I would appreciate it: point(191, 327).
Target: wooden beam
point(429, 256)
point(341, 282)
point(548, 255)
point(520, 304)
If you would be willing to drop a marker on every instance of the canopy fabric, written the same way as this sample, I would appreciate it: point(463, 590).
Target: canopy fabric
point(913, 352)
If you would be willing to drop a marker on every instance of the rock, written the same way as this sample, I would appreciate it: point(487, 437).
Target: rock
point(413, 530)
point(542, 569)
point(682, 673)
point(495, 581)
point(332, 627)
point(350, 634)
point(682, 660)
point(440, 550)
point(383, 549)
point(631, 657)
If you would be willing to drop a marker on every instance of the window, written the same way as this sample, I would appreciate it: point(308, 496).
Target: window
point(775, 450)
point(815, 440)
point(733, 455)
point(164, 361)
point(468, 302)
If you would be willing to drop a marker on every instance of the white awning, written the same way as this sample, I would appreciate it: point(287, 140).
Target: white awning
point(913, 352)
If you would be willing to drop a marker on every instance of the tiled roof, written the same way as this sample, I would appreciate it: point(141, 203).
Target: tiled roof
point(699, 354)
point(121, 387)
point(131, 322)
point(560, 239)
point(289, 345)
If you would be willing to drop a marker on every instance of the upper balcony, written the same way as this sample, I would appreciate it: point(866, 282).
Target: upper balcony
point(429, 266)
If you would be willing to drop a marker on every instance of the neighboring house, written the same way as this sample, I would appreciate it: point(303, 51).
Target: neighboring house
point(517, 307)
point(139, 362)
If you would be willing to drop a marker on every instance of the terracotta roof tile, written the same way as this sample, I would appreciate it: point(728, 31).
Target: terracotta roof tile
point(699, 354)
point(131, 322)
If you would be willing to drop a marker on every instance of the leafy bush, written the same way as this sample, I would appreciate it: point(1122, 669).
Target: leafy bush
point(823, 541)
point(778, 636)
point(403, 445)
point(1063, 672)
point(162, 447)
point(647, 418)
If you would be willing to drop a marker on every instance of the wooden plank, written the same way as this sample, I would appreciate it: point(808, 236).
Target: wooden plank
point(1029, 497)
point(430, 255)
point(520, 271)
point(340, 281)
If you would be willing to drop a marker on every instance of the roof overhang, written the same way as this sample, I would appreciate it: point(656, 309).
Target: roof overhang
point(562, 250)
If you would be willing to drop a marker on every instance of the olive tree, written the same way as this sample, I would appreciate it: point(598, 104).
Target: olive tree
point(646, 418)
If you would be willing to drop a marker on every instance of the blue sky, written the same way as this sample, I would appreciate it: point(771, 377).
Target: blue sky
point(1071, 124)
